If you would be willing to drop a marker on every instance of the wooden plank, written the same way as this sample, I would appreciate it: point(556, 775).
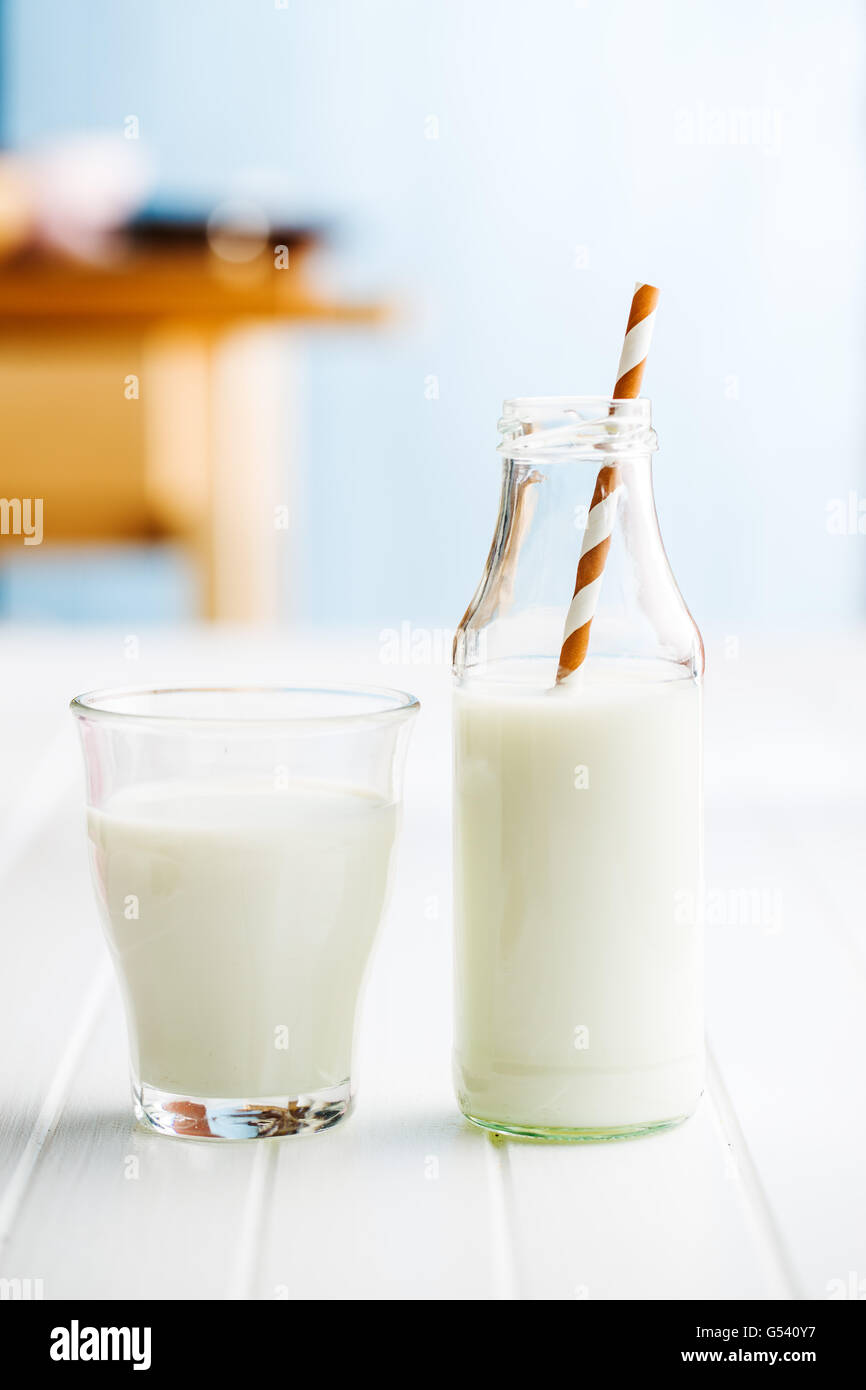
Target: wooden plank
point(757, 1196)
point(785, 955)
point(664, 1217)
point(112, 1211)
point(786, 995)
point(51, 961)
point(194, 287)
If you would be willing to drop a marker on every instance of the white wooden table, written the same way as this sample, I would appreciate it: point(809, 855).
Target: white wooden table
point(759, 1195)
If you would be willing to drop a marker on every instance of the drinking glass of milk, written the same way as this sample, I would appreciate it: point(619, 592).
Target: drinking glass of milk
point(241, 843)
point(577, 801)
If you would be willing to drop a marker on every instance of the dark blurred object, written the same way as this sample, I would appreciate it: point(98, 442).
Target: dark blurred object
point(153, 231)
point(149, 275)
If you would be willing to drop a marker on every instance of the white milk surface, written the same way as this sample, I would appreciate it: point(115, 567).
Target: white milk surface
point(256, 914)
point(577, 877)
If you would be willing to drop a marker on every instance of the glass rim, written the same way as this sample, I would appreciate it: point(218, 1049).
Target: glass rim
point(388, 703)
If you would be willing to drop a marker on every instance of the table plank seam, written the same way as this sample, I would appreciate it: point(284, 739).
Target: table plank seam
point(500, 1190)
point(53, 1103)
point(245, 1266)
point(779, 1262)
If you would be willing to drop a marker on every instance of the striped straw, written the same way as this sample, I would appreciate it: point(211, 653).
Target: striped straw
point(602, 511)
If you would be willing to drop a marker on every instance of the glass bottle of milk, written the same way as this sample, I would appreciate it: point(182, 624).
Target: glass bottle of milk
point(577, 805)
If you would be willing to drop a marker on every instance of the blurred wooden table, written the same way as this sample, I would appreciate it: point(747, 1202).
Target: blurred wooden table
point(156, 398)
point(759, 1195)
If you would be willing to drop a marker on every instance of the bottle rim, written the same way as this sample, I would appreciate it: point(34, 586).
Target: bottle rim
point(557, 427)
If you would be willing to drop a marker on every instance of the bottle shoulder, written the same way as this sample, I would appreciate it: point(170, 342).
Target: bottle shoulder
point(559, 556)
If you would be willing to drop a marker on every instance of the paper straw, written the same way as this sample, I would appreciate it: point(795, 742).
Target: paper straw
point(602, 511)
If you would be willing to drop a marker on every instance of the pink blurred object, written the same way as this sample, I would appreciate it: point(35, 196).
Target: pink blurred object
point(73, 196)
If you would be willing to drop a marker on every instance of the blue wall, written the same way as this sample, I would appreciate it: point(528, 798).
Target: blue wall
point(714, 149)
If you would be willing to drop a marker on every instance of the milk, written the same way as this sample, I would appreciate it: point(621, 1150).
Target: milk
point(577, 879)
point(241, 920)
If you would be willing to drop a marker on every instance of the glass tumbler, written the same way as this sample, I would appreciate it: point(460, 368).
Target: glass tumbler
point(241, 844)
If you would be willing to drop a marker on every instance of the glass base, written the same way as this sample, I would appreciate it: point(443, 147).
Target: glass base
point(576, 1136)
point(200, 1117)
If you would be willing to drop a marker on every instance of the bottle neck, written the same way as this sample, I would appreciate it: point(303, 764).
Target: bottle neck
point(546, 519)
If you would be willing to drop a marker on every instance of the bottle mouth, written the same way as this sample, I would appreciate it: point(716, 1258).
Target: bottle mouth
point(560, 427)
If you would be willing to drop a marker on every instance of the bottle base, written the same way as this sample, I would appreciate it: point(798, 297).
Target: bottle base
point(576, 1135)
point(200, 1117)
